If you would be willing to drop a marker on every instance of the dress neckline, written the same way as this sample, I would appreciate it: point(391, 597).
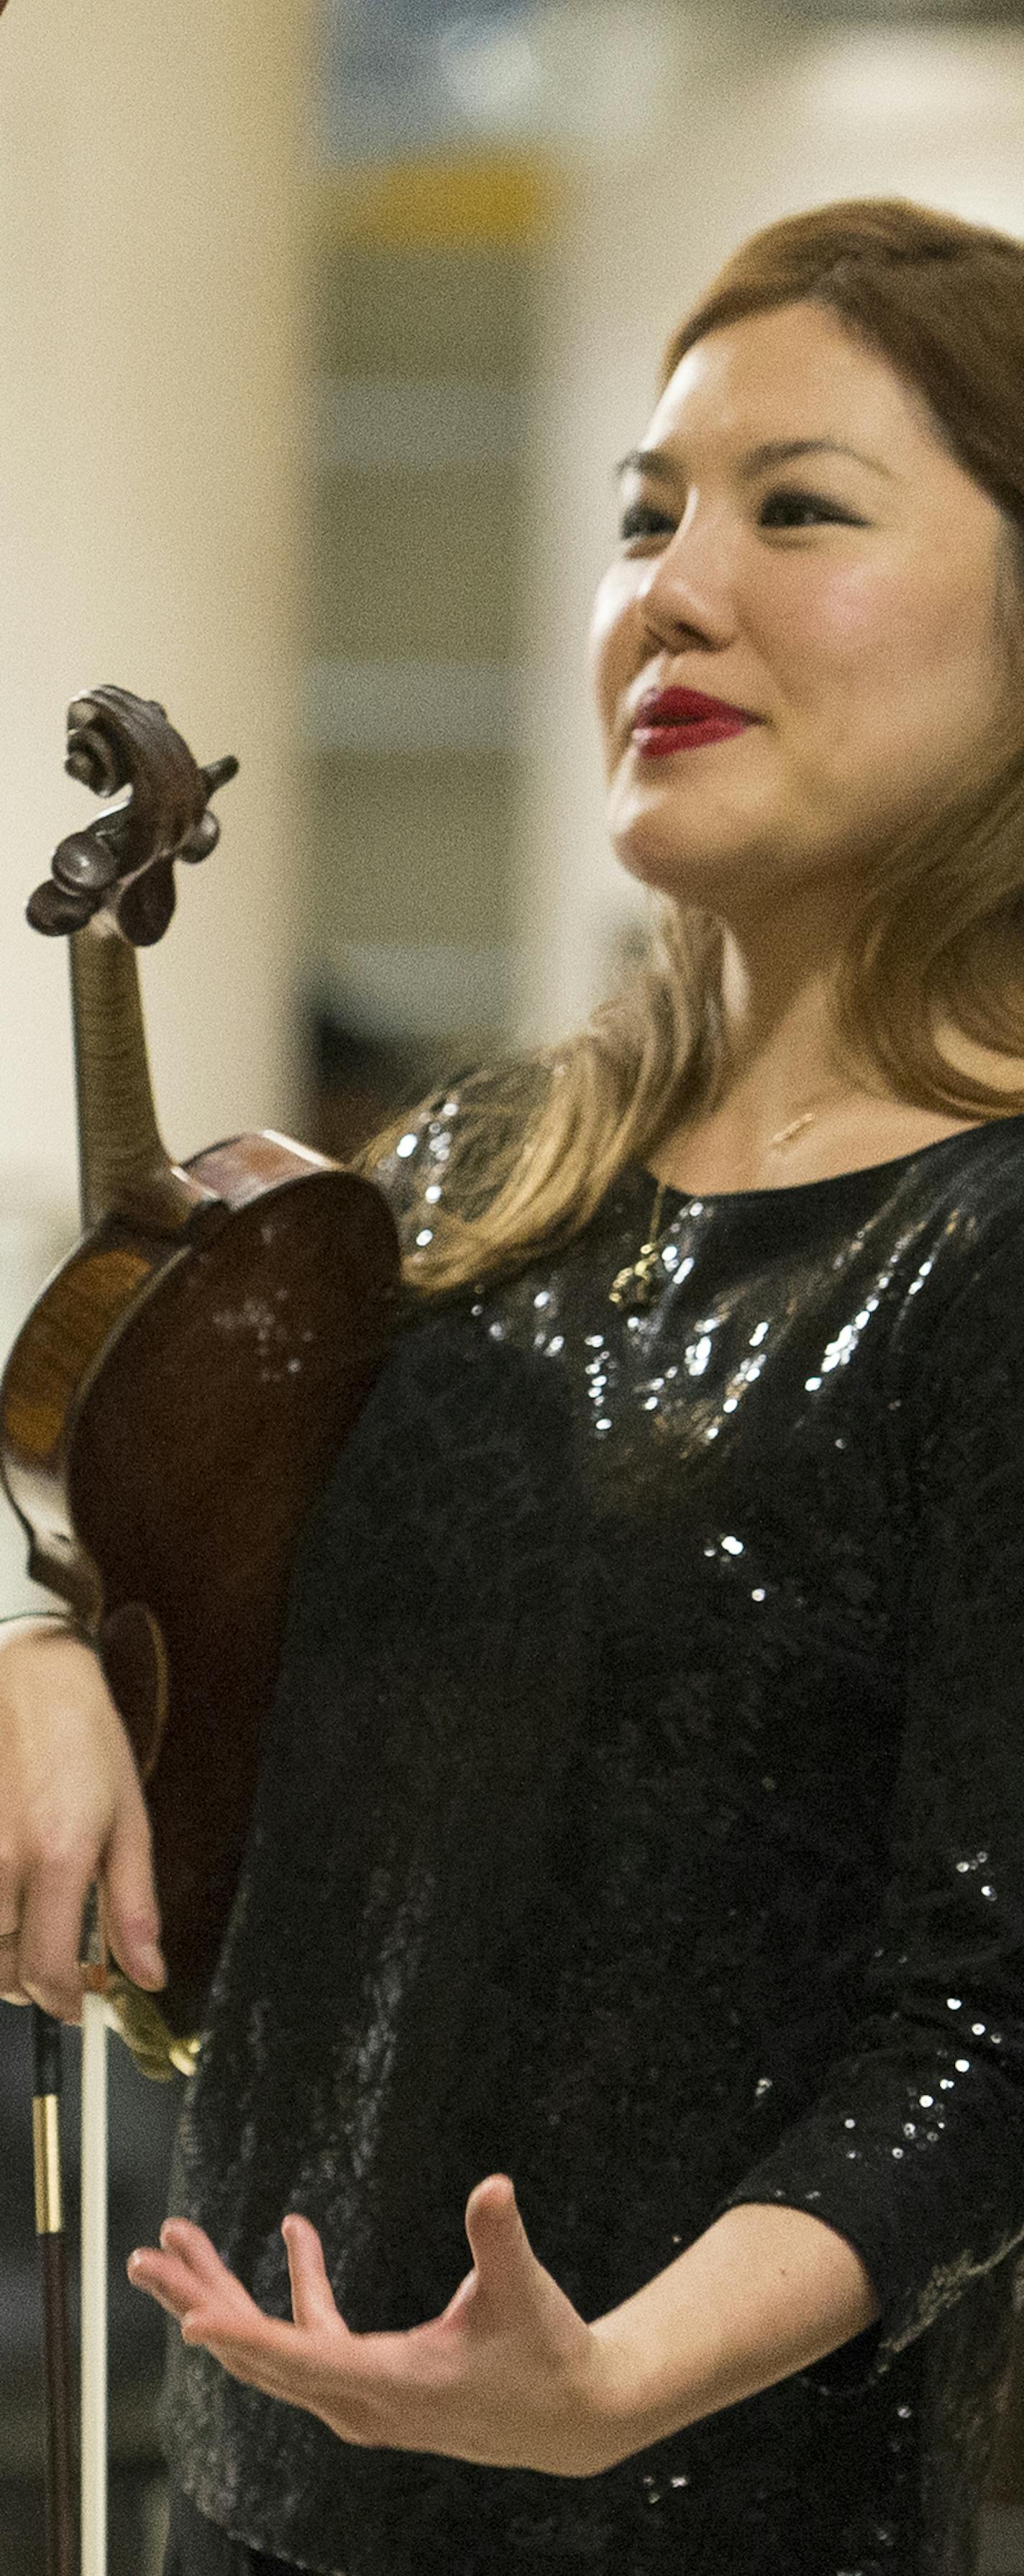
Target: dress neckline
point(830, 1180)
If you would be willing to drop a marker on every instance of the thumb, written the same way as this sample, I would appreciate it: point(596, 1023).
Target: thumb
point(506, 2267)
point(131, 1912)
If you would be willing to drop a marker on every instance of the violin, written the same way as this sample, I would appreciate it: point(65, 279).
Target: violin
point(172, 1405)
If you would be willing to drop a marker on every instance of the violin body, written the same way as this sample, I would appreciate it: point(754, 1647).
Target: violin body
point(176, 1396)
point(167, 1415)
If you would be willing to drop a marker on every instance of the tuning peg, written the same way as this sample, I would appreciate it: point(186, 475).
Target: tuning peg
point(84, 863)
point(55, 909)
point(217, 773)
point(199, 842)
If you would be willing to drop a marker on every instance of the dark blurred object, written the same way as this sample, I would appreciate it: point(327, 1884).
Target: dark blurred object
point(135, 2532)
point(360, 1082)
point(1005, 2485)
point(142, 2121)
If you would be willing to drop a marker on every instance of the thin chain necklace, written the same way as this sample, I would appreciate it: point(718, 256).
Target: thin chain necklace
point(634, 1289)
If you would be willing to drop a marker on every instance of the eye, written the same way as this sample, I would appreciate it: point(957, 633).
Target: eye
point(801, 503)
point(781, 509)
point(642, 521)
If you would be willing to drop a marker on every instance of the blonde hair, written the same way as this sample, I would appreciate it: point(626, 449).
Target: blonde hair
point(935, 937)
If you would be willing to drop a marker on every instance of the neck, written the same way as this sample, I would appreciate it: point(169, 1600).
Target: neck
point(124, 1169)
point(782, 1055)
point(787, 1108)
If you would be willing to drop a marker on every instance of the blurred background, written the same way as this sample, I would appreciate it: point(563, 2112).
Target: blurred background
point(321, 328)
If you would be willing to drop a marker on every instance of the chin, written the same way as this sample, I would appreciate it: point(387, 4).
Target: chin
point(716, 860)
point(665, 842)
point(654, 857)
point(665, 877)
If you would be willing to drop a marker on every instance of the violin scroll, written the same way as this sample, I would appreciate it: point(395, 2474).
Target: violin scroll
point(123, 864)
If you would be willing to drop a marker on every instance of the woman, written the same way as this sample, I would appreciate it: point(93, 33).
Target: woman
point(639, 1849)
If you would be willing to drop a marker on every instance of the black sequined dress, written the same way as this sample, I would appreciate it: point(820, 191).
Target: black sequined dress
point(644, 1817)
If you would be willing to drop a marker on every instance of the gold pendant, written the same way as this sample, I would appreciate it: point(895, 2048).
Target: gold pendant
point(634, 1287)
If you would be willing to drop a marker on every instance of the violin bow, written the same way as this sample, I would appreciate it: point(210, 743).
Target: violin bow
point(49, 2199)
point(46, 2092)
point(93, 2260)
point(49, 2208)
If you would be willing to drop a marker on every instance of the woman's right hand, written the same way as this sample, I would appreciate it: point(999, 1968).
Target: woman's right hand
point(71, 1813)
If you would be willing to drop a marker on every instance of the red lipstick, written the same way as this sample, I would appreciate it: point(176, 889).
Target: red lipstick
point(670, 720)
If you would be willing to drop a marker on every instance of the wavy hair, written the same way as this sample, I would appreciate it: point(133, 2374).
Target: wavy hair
point(935, 933)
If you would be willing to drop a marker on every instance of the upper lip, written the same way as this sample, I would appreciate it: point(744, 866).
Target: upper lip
point(684, 706)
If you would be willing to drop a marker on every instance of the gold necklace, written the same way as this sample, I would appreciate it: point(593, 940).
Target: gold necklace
point(633, 1289)
point(783, 1134)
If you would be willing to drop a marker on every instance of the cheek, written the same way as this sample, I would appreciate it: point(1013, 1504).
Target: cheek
point(888, 673)
point(868, 629)
point(844, 625)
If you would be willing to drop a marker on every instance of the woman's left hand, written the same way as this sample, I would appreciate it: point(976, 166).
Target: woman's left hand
point(509, 2375)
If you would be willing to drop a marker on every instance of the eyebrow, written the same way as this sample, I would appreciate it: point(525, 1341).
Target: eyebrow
point(773, 451)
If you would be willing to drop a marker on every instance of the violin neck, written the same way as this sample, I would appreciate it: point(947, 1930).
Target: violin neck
point(125, 1170)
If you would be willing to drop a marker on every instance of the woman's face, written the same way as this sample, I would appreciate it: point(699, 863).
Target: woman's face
point(846, 601)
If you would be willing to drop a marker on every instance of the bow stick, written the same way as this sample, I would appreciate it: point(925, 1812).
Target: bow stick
point(46, 2090)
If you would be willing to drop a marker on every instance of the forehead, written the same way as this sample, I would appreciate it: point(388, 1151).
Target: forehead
point(795, 373)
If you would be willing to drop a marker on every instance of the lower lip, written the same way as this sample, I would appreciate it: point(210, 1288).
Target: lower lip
point(655, 741)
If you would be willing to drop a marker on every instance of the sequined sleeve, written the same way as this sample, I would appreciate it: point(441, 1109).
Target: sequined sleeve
point(914, 2150)
point(416, 1165)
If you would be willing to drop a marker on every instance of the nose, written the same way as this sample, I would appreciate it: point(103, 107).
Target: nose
point(683, 592)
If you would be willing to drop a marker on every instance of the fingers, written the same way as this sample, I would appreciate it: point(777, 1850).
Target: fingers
point(10, 1991)
point(64, 1766)
point(493, 2198)
point(167, 2281)
point(188, 2279)
point(187, 2272)
point(131, 1912)
point(183, 2242)
point(506, 2266)
point(51, 1928)
point(11, 1905)
point(312, 2295)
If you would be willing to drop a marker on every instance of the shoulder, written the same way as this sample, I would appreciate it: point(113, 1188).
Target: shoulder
point(452, 1151)
point(961, 1319)
point(411, 1166)
point(979, 1201)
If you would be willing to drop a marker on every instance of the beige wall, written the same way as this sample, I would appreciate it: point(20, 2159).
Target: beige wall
point(755, 123)
point(150, 222)
point(148, 408)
